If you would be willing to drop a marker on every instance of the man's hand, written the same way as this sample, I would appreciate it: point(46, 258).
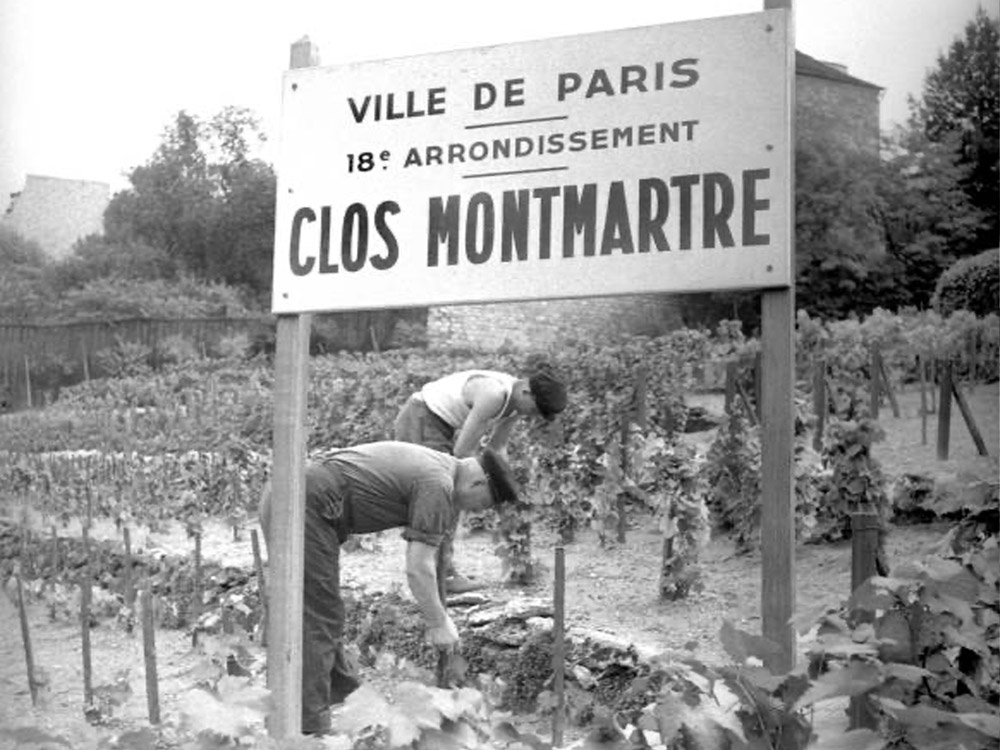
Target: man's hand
point(443, 635)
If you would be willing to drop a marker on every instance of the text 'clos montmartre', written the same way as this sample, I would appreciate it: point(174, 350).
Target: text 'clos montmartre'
point(564, 221)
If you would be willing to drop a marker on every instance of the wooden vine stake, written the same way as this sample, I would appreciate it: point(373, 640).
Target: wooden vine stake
point(88, 675)
point(875, 394)
point(86, 363)
point(149, 656)
point(944, 410)
point(129, 593)
point(29, 658)
point(559, 647)
point(921, 370)
point(261, 585)
point(864, 555)
point(54, 560)
point(27, 558)
point(194, 611)
point(820, 406)
point(85, 598)
point(620, 504)
point(236, 483)
point(887, 383)
point(27, 380)
point(970, 421)
point(444, 655)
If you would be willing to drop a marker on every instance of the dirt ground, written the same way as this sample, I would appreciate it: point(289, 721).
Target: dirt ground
point(611, 589)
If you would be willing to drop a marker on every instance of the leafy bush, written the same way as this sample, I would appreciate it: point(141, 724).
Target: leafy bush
point(731, 481)
point(234, 347)
point(971, 284)
point(124, 359)
point(178, 349)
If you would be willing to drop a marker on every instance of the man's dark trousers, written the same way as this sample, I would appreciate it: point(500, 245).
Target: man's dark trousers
point(327, 675)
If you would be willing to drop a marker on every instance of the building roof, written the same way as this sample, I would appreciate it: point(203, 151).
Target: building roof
point(805, 65)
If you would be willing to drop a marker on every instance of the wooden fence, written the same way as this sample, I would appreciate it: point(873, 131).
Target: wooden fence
point(37, 360)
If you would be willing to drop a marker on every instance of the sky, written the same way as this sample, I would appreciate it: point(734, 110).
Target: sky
point(87, 88)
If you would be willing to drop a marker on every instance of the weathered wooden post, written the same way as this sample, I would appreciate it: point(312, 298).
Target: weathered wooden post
point(886, 382)
point(88, 674)
point(194, 605)
point(284, 609)
point(970, 420)
point(559, 647)
point(865, 527)
point(258, 566)
point(875, 385)
point(129, 594)
point(149, 655)
point(27, 380)
point(922, 372)
point(29, 656)
point(758, 386)
point(944, 409)
point(732, 373)
point(819, 402)
point(777, 419)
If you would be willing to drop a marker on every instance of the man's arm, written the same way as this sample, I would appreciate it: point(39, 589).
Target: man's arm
point(487, 401)
point(501, 434)
point(421, 574)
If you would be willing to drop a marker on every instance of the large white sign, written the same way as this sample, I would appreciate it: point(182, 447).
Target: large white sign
point(644, 160)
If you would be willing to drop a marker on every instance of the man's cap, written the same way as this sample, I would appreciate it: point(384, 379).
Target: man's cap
point(549, 393)
point(503, 486)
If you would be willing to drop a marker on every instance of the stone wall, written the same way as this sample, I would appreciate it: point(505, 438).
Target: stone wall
point(539, 324)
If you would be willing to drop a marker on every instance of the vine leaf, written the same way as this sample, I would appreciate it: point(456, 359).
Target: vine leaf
point(507, 732)
point(742, 645)
point(365, 707)
point(203, 712)
point(907, 672)
point(856, 678)
point(456, 737)
point(706, 723)
point(857, 739)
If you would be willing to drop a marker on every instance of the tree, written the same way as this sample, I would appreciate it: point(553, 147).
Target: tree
point(23, 291)
point(113, 298)
point(204, 200)
point(838, 239)
point(96, 257)
point(961, 107)
point(926, 217)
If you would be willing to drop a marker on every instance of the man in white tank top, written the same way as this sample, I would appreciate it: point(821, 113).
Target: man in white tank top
point(455, 413)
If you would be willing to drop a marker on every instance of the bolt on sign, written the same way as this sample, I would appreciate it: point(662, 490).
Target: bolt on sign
point(652, 159)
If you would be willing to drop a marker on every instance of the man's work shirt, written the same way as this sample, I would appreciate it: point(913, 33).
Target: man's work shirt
point(444, 396)
point(388, 485)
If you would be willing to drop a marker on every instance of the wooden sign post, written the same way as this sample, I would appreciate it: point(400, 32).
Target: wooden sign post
point(777, 538)
point(284, 606)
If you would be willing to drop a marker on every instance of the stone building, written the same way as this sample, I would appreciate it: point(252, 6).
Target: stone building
point(56, 212)
point(831, 106)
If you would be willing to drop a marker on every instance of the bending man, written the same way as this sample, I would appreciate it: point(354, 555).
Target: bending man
point(369, 488)
point(454, 413)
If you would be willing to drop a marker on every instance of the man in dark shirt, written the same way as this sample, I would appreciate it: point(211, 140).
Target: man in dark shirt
point(369, 488)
